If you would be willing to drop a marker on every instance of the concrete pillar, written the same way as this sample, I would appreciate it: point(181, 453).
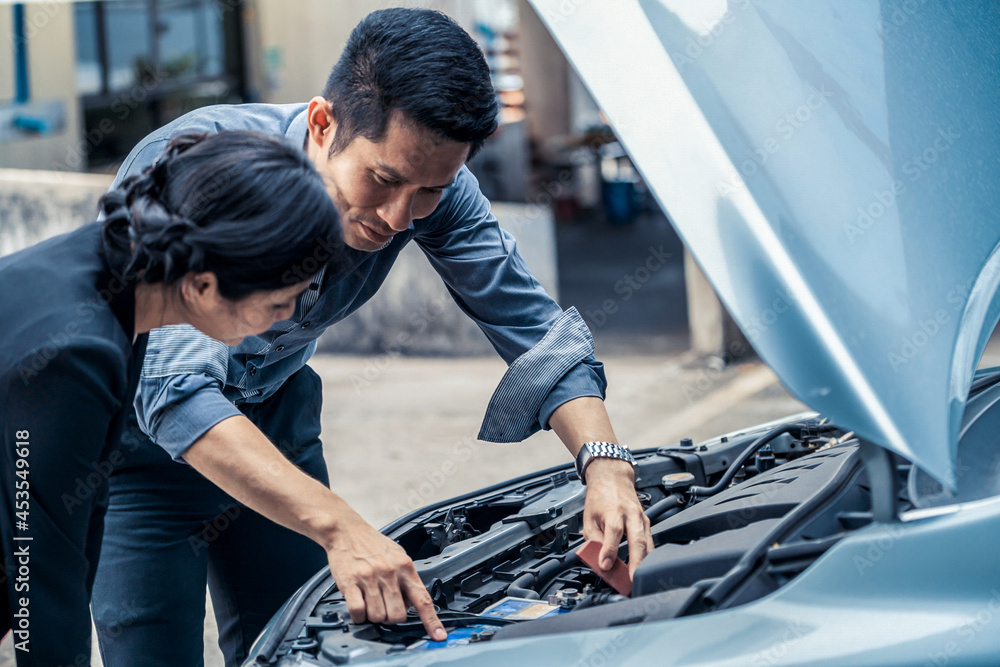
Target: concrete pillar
point(713, 331)
point(545, 72)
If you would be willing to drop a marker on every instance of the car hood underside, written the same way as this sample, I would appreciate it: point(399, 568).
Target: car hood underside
point(833, 169)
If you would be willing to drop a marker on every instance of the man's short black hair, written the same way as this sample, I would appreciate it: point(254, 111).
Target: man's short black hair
point(419, 62)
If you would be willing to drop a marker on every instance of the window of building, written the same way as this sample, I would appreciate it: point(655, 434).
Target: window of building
point(142, 63)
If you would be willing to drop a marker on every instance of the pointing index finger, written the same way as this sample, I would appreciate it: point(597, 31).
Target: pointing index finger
point(418, 596)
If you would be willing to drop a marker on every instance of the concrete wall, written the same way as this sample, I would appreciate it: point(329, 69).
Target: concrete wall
point(52, 75)
point(414, 314)
point(35, 205)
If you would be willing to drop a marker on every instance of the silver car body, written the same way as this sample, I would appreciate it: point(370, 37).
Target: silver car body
point(834, 167)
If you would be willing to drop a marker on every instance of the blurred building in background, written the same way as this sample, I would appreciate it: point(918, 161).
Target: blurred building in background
point(86, 80)
point(82, 82)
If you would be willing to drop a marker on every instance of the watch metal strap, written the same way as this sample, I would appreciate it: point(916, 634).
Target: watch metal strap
point(598, 450)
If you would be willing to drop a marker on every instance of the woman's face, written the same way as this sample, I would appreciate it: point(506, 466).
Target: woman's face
point(231, 321)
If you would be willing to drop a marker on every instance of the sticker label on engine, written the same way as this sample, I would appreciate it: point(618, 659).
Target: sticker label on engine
point(518, 609)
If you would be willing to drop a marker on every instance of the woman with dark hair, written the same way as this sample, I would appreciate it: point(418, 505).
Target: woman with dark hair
point(214, 235)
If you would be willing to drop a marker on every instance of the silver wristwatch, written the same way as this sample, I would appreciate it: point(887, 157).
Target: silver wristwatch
point(600, 450)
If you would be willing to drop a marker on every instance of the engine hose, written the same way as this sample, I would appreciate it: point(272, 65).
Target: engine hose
point(598, 599)
point(805, 511)
point(522, 587)
point(727, 477)
point(671, 502)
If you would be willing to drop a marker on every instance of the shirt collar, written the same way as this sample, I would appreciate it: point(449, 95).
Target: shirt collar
point(298, 129)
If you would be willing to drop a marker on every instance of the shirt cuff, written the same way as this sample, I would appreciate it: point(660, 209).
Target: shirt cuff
point(513, 412)
point(187, 407)
point(584, 379)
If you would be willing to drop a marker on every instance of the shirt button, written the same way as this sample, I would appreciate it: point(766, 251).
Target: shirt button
point(305, 325)
point(279, 348)
point(314, 286)
point(252, 370)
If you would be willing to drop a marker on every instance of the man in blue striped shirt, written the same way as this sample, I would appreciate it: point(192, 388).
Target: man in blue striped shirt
point(407, 104)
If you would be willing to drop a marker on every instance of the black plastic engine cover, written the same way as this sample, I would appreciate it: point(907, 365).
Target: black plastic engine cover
point(673, 565)
point(660, 607)
point(706, 540)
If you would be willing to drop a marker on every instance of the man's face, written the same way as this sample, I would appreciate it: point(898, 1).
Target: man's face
point(380, 188)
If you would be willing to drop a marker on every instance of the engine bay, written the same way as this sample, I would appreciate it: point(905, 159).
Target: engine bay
point(733, 519)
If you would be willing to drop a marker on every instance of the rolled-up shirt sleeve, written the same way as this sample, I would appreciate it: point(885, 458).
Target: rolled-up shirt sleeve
point(559, 368)
point(550, 352)
point(180, 392)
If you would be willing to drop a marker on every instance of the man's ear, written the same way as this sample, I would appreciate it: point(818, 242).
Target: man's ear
point(200, 290)
point(319, 118)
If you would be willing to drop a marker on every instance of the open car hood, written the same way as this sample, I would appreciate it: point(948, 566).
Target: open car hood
point(835, 170)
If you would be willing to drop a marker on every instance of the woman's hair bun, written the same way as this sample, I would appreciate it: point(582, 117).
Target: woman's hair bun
point(159, 241)
point(165, 246)
point(246, 206)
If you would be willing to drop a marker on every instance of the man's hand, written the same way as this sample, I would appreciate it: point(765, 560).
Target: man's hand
point(374, 573)
point(613, 511)
point(378, 579)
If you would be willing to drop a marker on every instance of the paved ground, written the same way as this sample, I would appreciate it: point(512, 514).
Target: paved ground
point(388, 439)
point(420, 417)
point(391, 426)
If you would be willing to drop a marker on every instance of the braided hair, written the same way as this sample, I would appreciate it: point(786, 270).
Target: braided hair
point(248, 207)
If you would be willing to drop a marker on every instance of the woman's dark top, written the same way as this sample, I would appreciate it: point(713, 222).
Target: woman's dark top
point(68, 373)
